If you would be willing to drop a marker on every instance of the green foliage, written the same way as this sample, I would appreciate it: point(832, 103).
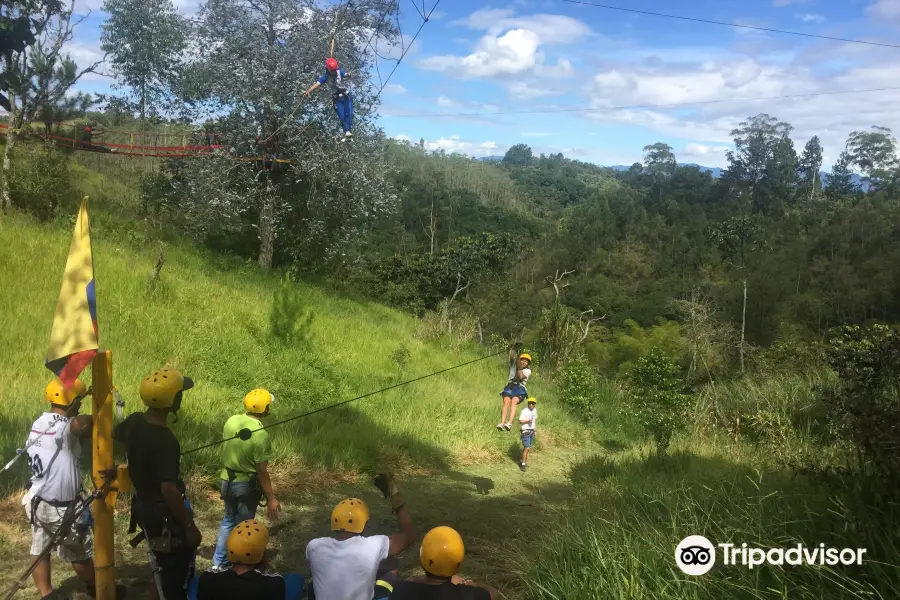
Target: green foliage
point(633, 342)
point(578, 388)
point(400, 357)
point(21, 22)
point(658, 401)
point(291, 317)
point(40, 181)
point(866, 407)
point(144, 40)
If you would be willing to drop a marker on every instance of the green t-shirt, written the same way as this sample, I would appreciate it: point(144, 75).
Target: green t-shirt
point(240, 455)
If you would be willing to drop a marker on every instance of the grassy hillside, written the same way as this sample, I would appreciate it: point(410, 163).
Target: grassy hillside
point(211, 319)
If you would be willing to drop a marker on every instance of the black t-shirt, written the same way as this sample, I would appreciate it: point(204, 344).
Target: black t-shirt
point(154, 456)
point(411, 590)
point(252, 585)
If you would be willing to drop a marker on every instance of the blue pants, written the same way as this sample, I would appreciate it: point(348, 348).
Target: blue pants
point(293, 587)
point(344, 108)
point(237, 509)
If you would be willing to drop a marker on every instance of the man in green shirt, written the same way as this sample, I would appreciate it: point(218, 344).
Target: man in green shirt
point(245, 474)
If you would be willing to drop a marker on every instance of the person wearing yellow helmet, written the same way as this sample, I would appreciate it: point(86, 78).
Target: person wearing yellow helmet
point(159, 503)
point(515, 391)
point(346, 565)
point(441, 556)
point(53, 449)
point(249, 577)
point(245, 469)
point(527, 418)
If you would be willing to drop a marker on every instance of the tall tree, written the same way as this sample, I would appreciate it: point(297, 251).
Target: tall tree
point(755, 142)
point(145, 40)
point(841, 182)
point(659, 160)
point(738, 238)
point(874, 152)
point(520, 154)
point(810, 164)
point(37, 75)
point(21, 21)
point(254, 60)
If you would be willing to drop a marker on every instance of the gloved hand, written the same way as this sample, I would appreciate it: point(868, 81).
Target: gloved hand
point(385, 483)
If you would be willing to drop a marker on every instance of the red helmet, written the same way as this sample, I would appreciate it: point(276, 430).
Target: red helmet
point(331, 64)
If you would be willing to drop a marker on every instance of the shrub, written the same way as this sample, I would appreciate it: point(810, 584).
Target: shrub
point(290, 319)
point(657, 400)
point(40, 180)
point(579, 387)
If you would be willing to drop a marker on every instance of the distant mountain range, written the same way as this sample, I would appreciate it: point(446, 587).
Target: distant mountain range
point(716, 172)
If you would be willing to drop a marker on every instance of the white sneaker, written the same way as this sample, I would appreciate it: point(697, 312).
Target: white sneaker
point(348, 134)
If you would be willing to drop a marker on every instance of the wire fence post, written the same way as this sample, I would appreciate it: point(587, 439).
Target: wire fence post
point(103, 508)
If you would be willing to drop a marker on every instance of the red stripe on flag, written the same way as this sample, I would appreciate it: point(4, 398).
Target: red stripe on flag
point(75, 364)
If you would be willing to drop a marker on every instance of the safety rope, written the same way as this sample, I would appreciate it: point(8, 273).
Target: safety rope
point(400, 60)
point(68, 521)
point(245, 434)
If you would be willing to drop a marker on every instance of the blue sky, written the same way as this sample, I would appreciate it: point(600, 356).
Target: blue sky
point(539, 55)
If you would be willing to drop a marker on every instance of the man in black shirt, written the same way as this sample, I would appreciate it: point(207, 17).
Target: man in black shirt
point(247, 578)
point(160, 506)
point(441, 556)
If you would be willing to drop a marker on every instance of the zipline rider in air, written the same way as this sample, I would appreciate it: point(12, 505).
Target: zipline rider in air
point(245, 470)
point(340, 97)
point(515, 391)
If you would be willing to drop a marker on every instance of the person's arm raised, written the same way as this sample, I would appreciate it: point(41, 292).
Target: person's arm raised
point(406, 537)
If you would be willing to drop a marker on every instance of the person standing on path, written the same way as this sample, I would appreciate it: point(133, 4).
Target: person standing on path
point(527, 418)
point(245, 471)
point(441, 556)
point(159, 504)
point(515, 390)
point(54, 457)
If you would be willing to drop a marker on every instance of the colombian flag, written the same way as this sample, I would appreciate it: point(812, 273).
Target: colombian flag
point(73, 339)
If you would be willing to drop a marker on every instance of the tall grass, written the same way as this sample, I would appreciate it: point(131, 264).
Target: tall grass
point(630, 511)
point(211, 318)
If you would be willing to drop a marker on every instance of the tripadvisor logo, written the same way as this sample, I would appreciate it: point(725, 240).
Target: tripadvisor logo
point(696, 555)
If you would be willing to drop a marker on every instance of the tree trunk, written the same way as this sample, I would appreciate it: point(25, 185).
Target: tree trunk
point(267, 229)
point(11, 139)
point(743, 324)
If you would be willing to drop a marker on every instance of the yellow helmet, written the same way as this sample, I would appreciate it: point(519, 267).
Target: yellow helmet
point(56, 392)
point(258, 400)
point(442, 552)
point(532, 400)
point(159, 389)
point(351, 515)
point(526, 356)
point(247, 543)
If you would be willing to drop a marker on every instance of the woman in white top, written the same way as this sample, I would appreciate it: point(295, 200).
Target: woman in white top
point(514, 392)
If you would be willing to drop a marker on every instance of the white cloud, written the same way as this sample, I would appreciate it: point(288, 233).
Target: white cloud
point(551, 29)
point(455, 144)
point(789, 2)
point(402, 137)
point(394, 88)
point(512, 53)
point(448, 102)
point(887, 10)
point(810, 18)
point(831, 117)
point(695, 150)
point(527, 91)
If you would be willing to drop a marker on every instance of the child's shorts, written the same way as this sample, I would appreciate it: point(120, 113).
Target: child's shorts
point(513, 390)
point(527, 439)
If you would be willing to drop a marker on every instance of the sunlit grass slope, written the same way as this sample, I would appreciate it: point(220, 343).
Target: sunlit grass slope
point(210, 318)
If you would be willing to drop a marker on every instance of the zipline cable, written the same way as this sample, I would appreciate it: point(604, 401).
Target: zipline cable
point(245, 434)
point(638, 106)
point(710, 22)
point(400, 60)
